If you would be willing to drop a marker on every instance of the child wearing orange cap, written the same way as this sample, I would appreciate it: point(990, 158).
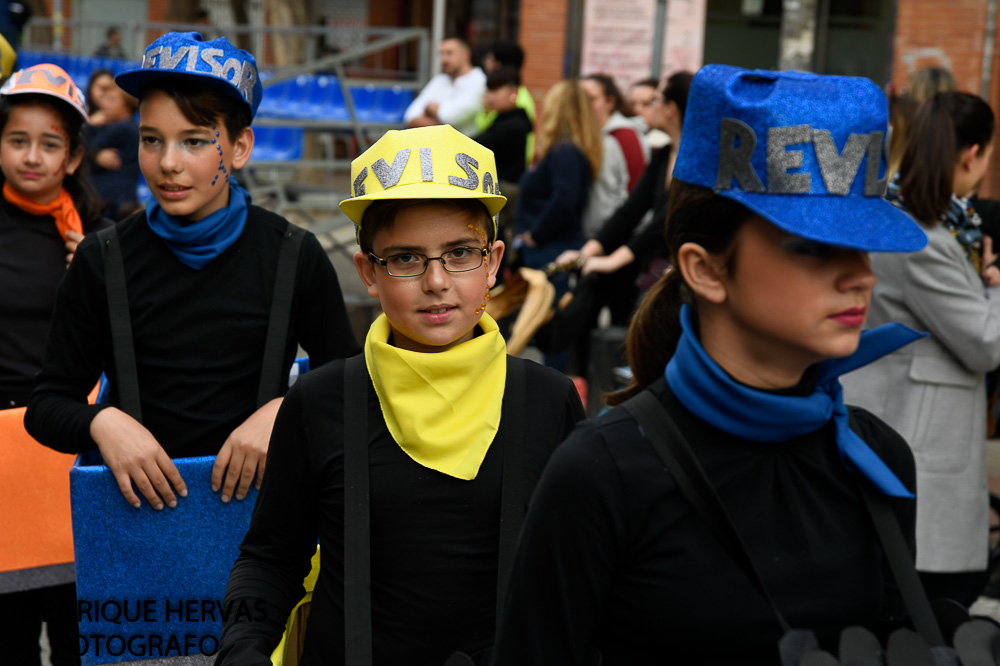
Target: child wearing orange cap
point(46, 207)
point(439, 434)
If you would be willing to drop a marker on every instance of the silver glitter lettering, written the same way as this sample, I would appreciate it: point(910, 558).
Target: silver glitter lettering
point(488, 183)
point(734, 160)
point(426, 165)
point(390, 175)
point(875, 186)
point(248, 79)
point(149, 57)
point(54, 80)
point(839, 169)
point(231, 70)
point(359, 183)
point(467, 163)
point(170, 60)
point(208, 56)
point(780, 160)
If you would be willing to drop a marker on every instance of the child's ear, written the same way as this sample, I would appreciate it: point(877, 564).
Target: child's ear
point(366, 271)
point(703, 273)
point(493, 262)
point(75, 158)
point(242, 148)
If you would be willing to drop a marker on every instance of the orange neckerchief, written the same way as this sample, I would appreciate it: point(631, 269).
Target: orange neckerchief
point(61, 208)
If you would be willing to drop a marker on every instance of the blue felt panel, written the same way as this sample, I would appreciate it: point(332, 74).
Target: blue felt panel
point(150, 583)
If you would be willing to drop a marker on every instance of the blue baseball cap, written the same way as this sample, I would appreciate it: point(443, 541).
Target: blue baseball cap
point(806, 152)
point(186, 54)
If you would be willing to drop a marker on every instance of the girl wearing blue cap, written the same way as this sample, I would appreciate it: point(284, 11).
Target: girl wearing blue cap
point(200, 265)
point(774, 205)
point(934, 392)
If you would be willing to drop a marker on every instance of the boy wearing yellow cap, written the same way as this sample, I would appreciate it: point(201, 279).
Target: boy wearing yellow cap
point(457, 434)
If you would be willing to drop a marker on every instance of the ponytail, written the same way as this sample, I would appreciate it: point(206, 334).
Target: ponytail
point(696, 215)
point(653, 334)
point(944, 126)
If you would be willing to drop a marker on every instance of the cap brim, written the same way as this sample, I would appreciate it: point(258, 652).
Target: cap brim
point(42, 91)
point(135, 81)
point(355, 207)
point(870, 224)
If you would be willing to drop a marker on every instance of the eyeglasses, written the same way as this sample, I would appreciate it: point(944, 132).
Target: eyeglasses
point(412, 264)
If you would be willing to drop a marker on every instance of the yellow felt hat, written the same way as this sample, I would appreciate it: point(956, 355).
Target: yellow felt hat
point(423, 163)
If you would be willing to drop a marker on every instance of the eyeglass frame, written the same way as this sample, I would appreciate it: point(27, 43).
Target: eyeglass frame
point(384, 263)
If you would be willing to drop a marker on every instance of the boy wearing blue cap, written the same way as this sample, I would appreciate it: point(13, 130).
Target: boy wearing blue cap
point(435, 431)
point(201, 283)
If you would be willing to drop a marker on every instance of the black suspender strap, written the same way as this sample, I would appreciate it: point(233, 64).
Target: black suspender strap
point(120, 322)
point(357, 536)
point(357, 539)
point(512, 420)
point(676, 454)
point(281, 312)
point(901, 563)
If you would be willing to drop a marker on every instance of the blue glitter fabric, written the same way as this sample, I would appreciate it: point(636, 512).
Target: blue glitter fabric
point(172, 564)
point(804, 151)
point(187, 55)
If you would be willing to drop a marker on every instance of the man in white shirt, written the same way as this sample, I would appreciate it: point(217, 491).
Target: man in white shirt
point(452, 97)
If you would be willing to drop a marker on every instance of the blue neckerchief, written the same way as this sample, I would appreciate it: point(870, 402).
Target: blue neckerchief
point(706, 390)
point(197, 243)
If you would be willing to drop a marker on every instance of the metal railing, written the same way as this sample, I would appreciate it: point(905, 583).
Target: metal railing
point(385, 52)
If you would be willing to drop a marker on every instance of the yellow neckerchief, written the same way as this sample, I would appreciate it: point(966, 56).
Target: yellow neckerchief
point(442, 408)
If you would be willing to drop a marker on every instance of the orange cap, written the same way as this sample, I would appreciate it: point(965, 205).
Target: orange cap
point(46, 79)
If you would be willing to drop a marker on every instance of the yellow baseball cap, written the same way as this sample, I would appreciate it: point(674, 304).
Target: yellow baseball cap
point(424, 163)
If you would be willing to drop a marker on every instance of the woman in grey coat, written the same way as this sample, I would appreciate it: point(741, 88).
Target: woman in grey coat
point(934, 391)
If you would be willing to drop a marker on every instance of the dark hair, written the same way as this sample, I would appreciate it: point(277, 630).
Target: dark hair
point(505, 76)
point(382, 215)
point(94, 75)
point(944, 126)
point(676, 91)
point(112, 30)
point(696, 215)
point(204, 105)
point(647, 83)
point(509, 54)
point(458, 38)
point(85, 198)
point(610, 90)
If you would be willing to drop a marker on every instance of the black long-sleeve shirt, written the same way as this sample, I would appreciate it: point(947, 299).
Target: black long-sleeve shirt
point(650, 193)
point(507, 137)
point(32, 262)
point(613, 558)
point(198, 335)
point(434, 538)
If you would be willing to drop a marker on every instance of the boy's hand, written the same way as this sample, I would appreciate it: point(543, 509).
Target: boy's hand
point(73, 239)
point(133, 454)
point(245, 453)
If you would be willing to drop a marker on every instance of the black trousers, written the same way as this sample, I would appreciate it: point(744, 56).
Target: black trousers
point(21, 617)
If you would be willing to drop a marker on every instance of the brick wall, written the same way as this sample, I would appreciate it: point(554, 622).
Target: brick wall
point(542, 35)
point(951, 34)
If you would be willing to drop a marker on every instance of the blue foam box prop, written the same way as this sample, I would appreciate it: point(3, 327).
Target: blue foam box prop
point(151, 583)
